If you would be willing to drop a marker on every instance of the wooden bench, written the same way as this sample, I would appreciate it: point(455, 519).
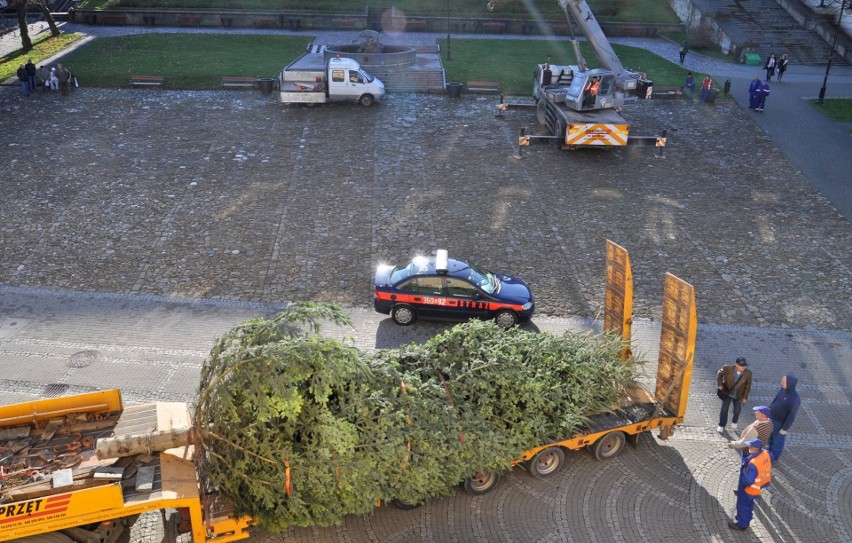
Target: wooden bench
point(237, 82)
point(189, 20)
point(344, 23)
point(483, 87)
point(416, 25)
point(666, 91)
point(114, 19)
point(147, 81)
point(493, 27)
point(265, 22)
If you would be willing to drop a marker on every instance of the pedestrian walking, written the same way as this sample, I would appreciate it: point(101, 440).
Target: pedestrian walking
point(24, 79)
point(760, 429)
point(752, 91)
point(755, 473)
point(64, 77)
point(31, 73)
point(734, 384)
point(770, 66)
point(684, 49)
point(706, 86)
point(761, 94)
point(783, 62)
point(782, 412)
point(689, 86)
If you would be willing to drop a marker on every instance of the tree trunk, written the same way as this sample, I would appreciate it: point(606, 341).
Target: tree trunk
point(48, 17)
point(124, 445)
point(21, 12)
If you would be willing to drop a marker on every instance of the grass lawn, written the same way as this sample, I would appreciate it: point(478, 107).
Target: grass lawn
point(187, 61)
point(197, 61)
point(612, 10)
point(512, 62)
point(43, 48)
point(838, 109)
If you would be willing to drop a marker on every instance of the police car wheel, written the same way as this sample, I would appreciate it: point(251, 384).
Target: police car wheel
point(403, 315)
point(505, 318)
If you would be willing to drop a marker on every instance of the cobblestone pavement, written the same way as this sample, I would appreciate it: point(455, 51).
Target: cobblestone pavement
point(235, 196)
point(141, 224)
point(674, 490)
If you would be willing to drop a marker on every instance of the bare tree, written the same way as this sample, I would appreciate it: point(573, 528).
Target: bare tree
point(21, 8)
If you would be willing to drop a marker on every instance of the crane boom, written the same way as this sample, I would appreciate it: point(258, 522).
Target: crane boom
point(579, 12)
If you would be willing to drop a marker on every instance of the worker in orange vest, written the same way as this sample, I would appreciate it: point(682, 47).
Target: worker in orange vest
point(592, 91)
point(706, 85)
point(756, 472)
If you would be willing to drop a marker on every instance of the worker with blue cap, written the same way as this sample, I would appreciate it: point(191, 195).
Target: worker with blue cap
point(755, 473)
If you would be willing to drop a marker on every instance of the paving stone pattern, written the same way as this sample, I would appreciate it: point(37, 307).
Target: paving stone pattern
point(675, 490)
point(235, 196)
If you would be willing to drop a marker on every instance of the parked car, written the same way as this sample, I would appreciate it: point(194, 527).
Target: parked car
point(438, 287)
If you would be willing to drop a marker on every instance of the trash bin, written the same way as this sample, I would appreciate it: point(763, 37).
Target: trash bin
point(265, 84)
point(711, 96)
point(751, 59)
point(454, 89)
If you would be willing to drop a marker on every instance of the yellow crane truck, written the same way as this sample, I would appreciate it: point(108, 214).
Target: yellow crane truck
point(83, 468)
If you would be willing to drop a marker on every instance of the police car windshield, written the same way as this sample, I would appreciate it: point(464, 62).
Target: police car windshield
point(485, 280)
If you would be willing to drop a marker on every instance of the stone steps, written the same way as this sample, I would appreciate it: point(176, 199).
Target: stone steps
point(766, 26)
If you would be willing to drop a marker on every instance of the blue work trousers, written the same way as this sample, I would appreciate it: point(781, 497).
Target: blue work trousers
point(776, 441)
point(745, 508)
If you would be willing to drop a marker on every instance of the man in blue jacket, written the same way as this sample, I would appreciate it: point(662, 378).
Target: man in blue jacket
point(755, 473)
point(783, 411)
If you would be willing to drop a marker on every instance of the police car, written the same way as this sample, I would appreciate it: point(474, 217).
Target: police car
point(439, 287)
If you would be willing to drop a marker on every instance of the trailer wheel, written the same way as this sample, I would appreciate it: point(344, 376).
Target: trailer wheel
point(546, 462)
point(366, 100)
point(404, 505)
point(540, 111)
point(403, 314)
point(608, 446)
point(481, 483)
point(506, 319)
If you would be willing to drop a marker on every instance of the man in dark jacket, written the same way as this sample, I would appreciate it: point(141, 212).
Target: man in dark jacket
point(24, 79)
point(735, 383)
point(783, 411)
point(31, 74)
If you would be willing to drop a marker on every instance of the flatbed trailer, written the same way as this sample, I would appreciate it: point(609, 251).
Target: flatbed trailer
point(53, 481)
point(639, 410)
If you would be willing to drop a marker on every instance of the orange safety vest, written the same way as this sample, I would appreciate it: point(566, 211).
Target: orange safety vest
point(594, 88)
point(707, 84)
point(763, 463)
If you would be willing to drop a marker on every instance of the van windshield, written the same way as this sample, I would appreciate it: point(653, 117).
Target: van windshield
point(367, 77)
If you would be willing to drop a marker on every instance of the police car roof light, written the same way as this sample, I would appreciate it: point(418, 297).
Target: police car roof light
point(441, 261)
